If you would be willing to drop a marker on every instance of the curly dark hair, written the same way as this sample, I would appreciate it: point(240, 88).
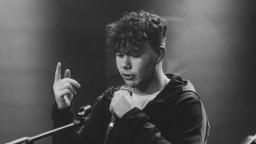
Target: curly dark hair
point(135, 28)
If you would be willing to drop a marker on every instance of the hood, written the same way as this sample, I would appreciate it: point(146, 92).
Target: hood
point(177, 85)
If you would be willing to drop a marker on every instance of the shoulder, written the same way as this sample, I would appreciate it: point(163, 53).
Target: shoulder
point(188, 97)
point(190, 106)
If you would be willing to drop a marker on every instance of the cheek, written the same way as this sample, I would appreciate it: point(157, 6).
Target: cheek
point(118, 64)
point(145, 66)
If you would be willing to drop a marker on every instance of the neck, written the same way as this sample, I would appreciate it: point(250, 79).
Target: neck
point(156, 82)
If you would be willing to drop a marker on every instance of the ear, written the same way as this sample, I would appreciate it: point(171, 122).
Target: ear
point(160, 54)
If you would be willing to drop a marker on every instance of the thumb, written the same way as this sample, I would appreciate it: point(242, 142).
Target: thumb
point(67, 73)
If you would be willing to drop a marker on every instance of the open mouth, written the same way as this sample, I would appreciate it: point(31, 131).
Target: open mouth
point(128, 76)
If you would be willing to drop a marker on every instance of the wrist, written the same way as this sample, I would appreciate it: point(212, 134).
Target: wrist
point(127, 111)
point(61, 104)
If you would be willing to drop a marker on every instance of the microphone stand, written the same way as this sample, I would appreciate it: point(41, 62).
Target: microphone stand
point(81, 119)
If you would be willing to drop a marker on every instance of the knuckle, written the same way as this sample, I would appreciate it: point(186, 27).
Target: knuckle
point(117, 94)
point(65, 79)
point(67, 91)
point(68, 85)
point(64, 85)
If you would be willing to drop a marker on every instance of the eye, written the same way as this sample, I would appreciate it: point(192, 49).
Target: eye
point(120, 55)
point(136, 53)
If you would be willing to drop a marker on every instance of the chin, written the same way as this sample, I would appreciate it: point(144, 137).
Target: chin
point(131, 84)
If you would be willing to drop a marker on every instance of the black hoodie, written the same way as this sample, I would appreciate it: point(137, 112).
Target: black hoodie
point(175, 116)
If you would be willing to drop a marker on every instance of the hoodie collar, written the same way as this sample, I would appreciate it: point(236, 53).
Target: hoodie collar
point(176, 84)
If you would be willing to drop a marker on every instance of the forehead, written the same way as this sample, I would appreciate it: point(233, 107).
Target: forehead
point(130, 48)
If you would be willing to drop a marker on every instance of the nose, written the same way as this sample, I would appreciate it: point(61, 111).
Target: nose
point(126, 64)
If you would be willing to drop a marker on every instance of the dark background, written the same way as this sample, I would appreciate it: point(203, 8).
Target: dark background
point(210, 42)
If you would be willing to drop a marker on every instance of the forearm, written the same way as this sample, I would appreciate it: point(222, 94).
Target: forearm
point(61, 118)
point(137, 125)
point(88, 133)
point(141, 131)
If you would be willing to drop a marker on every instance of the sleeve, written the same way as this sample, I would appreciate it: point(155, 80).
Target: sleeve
point(84, 134)
point(189, 122)
point(60, 118)
point(186, 126)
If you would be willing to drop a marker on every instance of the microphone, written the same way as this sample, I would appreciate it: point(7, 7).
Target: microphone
point(84, 110)
point(82, 115)
point(113, 116)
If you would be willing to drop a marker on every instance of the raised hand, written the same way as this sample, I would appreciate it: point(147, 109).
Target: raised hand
point(64, 89)
point(251, 139)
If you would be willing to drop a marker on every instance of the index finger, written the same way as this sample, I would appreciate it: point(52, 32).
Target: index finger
point(73, 82)
point(58, 72)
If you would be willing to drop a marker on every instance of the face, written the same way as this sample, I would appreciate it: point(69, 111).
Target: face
point(137, 65)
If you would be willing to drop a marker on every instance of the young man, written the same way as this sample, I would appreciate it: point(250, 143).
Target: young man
point(161, 108)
